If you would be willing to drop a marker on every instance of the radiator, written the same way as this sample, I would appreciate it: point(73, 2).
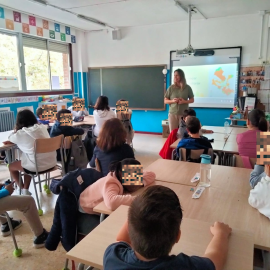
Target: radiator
point(7, 121)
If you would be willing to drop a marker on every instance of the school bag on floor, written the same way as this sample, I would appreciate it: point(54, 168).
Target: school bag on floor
point(77, 157)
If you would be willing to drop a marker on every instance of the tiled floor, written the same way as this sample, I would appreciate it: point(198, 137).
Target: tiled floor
point(146, 147)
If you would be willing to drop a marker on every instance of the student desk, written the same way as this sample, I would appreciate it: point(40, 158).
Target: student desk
point(218, 129)
point(237, 130)
point(195, 237)
point(88, 120)
point(7, 148)
point(102, 208)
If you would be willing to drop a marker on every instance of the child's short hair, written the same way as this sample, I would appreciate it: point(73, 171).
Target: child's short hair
point(58, 115)
point(39, 111)
point(154, 220)
point(193, 125)
point(189, 112)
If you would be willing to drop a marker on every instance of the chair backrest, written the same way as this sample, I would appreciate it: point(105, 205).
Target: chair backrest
point(242, 162)
point(67, 142)
point(49, 144)
point(194, 154)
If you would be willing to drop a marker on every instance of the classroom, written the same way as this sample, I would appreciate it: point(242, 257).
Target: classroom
point(134, 134)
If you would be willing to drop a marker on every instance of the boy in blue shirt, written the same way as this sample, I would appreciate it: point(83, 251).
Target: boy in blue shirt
point(195, 141)
point(39, 115)
point(152, 229)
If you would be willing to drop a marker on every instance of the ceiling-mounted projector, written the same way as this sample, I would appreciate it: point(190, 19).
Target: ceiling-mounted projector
point(189, 49)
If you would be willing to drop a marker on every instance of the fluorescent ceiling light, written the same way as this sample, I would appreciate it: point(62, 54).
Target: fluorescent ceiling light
point(91, 20)
point(180, 6)
point(41, 2)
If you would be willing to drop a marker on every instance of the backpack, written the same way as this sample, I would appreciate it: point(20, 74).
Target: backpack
point(130, 132)
point(77, 155)
point(90, 143)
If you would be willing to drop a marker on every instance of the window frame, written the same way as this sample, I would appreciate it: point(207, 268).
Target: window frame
point(22, 73)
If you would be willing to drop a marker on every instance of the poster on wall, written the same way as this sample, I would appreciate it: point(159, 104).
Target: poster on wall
point(9, 83)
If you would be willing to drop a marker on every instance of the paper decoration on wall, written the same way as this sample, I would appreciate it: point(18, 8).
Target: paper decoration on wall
point(35, 26)
point(45, 24)
point(25, 28)
point(17, 16)
point(67, 30)
point(9, 24)
point(39, 31)
point(52, 34)
point(9, 83)
point(57, 27)
point(32, 20)
point(63, 37)
point(9, 100)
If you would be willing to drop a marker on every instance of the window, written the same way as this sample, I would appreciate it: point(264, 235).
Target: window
point(46, 66)
point(9, 63)
point(36, 64)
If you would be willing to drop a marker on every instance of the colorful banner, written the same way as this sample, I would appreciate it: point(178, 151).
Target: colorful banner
point(29, 24)
point(10, 100)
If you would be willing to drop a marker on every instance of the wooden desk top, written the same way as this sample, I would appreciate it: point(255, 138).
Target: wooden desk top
point(238, 130)
point(195, 237)
point(4, 137)
point(102, 208)
point(231, 147)
point(217, 129)
point(88, 120)
point(173, 171)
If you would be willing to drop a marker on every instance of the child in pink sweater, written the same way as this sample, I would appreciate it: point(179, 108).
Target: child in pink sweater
point(110, 188)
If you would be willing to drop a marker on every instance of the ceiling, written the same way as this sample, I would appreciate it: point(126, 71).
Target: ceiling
point(126, 13)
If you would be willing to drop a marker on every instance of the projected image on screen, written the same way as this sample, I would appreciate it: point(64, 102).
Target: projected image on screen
point(213, 79)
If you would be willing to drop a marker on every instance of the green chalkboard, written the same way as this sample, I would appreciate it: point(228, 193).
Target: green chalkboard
point(142, 86)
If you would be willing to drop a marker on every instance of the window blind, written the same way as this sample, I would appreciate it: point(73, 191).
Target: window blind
point(58, 47)
point(34, 42)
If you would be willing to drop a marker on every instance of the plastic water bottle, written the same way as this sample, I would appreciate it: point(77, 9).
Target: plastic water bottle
point(226, 129)
point(205, 173)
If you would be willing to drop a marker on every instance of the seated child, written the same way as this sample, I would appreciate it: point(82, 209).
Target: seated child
point(110, 188)
point(259, 172)
point(27, 206)
point(57, 129)
point(27, 130)
point(182, 131)
point(39, 116)
point(259, 196)
point(153, 227)
point(78, 113)
point(194, 141)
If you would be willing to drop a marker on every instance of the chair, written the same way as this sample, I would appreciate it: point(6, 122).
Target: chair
point(43, 146)
point(17, 251)
point(194, 154)
point(243, 162)
point(98, 168)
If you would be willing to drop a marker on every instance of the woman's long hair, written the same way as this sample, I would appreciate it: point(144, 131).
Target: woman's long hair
point(182, 76)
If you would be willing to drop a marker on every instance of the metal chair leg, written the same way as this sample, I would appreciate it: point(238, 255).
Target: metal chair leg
point(39, 183)
point(17, 252)
point(40, 212)
point(102, 217)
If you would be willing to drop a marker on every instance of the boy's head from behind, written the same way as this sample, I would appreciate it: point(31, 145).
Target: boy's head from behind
point(63, 111)
point(188, 112)
point(39, 112)
point(193, 125)
point(154, 220)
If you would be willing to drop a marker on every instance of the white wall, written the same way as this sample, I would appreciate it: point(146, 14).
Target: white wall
point(150, 45)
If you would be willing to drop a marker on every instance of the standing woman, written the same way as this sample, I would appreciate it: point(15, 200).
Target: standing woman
point(178, 96)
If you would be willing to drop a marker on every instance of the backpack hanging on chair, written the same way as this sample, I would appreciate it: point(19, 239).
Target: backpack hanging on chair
point(77, 157)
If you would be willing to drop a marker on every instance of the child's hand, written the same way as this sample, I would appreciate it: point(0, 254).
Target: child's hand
point(7, 142)
point(209, 131)
point(10, 188)
point(267, 169)
point(220, 229)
